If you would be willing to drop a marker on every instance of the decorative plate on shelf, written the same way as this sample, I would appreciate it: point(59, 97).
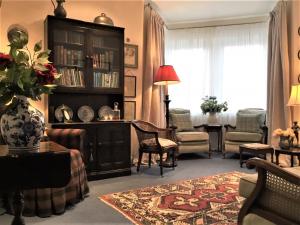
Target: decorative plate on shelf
point(85, 113)
point(63, 112)
point(105, 113)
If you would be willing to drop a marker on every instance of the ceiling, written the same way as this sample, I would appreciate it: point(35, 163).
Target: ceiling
point(191, 11)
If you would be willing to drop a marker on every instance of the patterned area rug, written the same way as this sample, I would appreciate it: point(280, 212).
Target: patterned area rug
point(205, 200)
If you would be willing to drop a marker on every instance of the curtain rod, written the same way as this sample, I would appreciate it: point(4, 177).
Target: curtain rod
point(220, 25)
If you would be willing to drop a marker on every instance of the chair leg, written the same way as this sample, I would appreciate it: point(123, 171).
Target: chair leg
point(161, 163)
point(140, 160)
point(149, 160)
point(173, 159)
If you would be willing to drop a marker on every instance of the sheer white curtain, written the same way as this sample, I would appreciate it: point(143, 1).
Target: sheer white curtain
point(229, 62)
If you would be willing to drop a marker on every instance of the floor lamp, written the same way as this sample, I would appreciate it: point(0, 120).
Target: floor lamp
point(166, 75)
point(295, 101)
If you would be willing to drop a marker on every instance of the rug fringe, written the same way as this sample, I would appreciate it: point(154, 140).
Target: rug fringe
point(114, 207)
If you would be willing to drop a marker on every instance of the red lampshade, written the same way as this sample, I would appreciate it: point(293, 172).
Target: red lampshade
point(166, 75)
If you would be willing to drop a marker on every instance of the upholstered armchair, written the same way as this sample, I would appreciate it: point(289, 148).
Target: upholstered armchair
point(272, 195)
point(250, 128)
point(189, 138)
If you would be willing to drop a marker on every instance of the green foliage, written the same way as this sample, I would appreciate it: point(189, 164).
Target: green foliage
point(210, 104)
point(23, 73)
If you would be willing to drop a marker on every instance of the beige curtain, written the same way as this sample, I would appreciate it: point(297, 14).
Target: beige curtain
point(278, 113)
point(152, 98)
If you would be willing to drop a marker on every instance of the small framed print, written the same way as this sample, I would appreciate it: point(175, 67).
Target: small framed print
point(130, 86)
point(129, 110)
point(131, 56)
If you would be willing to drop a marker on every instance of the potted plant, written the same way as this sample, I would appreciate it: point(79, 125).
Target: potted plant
point(23, 75)
point(210, 105)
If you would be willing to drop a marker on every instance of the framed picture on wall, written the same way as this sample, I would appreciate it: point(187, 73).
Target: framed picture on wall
point(129, 110)
point(130, 86)
point(131, 56)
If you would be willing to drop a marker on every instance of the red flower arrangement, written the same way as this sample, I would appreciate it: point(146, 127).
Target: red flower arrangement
point(23, 73)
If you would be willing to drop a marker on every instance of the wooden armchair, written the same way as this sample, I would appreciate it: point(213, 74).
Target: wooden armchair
point(154, 140)
point(275, 198)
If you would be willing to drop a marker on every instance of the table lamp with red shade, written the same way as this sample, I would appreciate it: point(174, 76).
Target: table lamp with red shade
point(166, 75)
point(295, 101)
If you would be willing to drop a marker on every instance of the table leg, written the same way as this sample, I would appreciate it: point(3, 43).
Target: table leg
point(277, 157)
point(292, 160)
point(241, 158)
point(18, 205)
point(299, 160)
point(272, 157)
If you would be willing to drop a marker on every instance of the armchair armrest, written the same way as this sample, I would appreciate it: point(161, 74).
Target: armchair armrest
point(70, 138)
point(265, 134)
point(273, 185)
point(201, 126)
point(229, 127)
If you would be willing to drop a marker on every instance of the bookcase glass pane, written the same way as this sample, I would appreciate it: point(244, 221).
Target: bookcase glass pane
point(69, 57)
point(105, 54)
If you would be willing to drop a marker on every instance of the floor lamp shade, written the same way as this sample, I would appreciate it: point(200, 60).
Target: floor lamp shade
point(166, 75)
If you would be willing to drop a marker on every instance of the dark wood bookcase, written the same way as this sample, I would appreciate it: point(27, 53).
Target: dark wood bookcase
point(90, 58)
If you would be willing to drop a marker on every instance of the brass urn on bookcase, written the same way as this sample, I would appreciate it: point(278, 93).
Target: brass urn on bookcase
point(91, 59)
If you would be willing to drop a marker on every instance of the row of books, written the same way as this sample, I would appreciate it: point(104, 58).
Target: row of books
point(69, 37)
point(103, 60)
point(106, 80)
point(71, 77)
point(65, 56)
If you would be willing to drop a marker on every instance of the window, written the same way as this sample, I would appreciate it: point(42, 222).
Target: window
point(228, 62)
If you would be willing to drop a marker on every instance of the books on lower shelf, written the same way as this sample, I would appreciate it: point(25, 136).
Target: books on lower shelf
point(71, 77)
point(106, 80)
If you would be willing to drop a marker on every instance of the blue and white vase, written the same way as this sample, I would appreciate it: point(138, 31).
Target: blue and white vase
point(22, 125)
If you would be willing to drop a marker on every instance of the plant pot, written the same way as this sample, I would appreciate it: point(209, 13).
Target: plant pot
point(22, 125)
point(285, 142)
point(212, 118)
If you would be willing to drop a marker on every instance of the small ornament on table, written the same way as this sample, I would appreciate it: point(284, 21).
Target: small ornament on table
point(286, 137)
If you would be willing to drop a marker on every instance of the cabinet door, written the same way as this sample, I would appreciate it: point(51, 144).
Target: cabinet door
point(113, 147)
point(106, 50)
point(69, 55)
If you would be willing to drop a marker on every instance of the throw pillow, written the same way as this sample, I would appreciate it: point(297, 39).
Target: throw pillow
point(248, 123)
point(182, 121)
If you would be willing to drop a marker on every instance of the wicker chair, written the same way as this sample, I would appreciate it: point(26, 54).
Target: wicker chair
point(154, 140)
point(274, 197)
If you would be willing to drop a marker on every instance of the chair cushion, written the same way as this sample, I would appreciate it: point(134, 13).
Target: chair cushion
point(164, 143)
point(182, 121)
point(251, 219)
point(248, 182)
point(192, 136)
point(243, 136)
point(248, 123)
